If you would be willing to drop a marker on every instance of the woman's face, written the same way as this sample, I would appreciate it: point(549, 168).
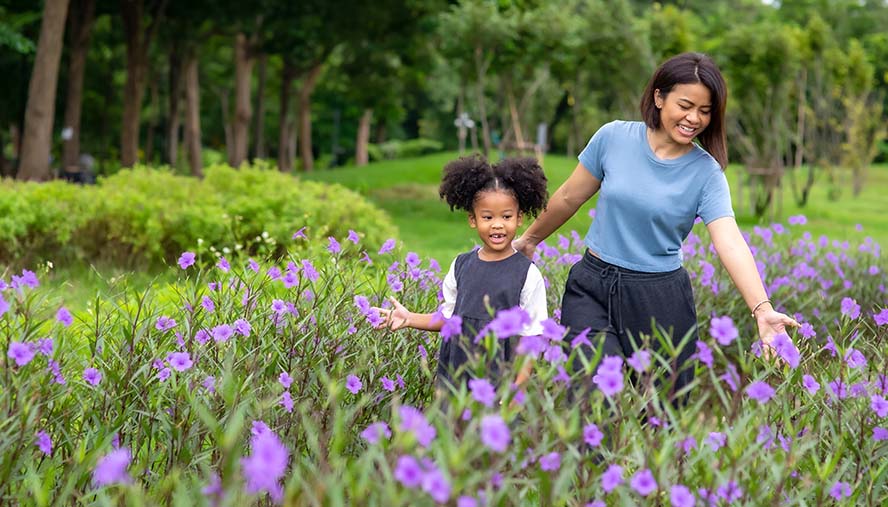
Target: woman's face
point(684, 112)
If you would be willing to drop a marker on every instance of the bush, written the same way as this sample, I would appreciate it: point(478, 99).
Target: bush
point(144, 216)
point(403, 149)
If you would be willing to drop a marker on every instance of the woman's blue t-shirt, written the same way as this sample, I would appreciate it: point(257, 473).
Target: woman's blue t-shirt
point(646, 205)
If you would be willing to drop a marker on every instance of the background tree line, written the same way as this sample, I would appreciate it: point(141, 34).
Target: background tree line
point(317, 83)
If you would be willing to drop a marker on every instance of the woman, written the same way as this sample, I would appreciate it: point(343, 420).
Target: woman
point(654, 182)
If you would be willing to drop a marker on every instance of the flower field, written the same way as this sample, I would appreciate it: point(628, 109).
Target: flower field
point(264, 381)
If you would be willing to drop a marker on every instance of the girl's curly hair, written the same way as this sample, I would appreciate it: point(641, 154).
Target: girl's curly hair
point(466, 177)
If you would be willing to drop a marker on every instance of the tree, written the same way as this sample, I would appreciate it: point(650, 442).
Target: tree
point(40, 111)
point(81, 17)
point(140, 24)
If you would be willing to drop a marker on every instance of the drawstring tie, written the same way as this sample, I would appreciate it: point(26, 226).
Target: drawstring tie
point(615, 289)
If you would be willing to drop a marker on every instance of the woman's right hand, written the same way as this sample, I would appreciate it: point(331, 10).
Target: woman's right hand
point(525, 247)
point(394, 318)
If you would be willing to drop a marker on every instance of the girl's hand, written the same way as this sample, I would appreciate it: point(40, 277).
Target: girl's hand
point(770, 324)
point(525, 247)
point(394, 318)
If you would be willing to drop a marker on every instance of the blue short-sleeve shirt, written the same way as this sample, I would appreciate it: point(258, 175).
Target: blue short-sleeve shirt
point(647, 205)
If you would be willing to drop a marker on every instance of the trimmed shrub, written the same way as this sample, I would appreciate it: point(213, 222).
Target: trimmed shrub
point(144, 216)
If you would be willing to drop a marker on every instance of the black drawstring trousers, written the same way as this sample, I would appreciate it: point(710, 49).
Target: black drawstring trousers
point(616, 303)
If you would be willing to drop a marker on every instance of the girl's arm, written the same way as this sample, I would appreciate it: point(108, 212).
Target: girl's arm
point(533, 301)
point(735, 255)
point(400, 317)
point(564, 203)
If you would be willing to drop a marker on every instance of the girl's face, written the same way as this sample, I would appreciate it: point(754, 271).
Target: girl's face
point(684, 112)
point(496, 217)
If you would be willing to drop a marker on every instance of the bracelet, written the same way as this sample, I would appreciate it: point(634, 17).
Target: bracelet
point(756, 307)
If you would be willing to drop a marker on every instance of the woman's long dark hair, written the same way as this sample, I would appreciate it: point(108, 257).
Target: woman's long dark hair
point(689, 68)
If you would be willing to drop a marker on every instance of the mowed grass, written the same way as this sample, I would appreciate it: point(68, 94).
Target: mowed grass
point(408, 190)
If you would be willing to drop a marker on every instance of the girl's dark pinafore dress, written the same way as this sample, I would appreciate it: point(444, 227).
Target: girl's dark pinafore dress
point(500, 284)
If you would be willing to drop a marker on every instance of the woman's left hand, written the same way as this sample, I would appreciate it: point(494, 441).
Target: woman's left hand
point(771, 323)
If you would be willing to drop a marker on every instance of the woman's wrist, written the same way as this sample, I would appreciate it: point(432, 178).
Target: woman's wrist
point(758, 308)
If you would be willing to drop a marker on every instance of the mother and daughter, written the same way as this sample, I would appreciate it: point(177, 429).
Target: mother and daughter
point(654, 178)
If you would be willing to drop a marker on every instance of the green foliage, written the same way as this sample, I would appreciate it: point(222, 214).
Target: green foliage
point(144, 216)
point(403, 149)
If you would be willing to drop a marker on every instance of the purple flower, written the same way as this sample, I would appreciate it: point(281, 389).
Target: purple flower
point(850, 308)
point(509, 322)
point(64, 316)
point(838, 389)
point(553, 330)
point(408, 471)
point(608, 379)
point(310, 272)
point(716, 440)
point(186, 260)
point(730, 492)
point(451, 328)
point(412, 259)
point(703, 354)
point(209, 383)
point(807, 330)
point(353, 236)
point(760, 391)
point(111, 468)
point(879, 405)
point(466, 501)
point(222, 333)
point(592, 435)
point(4, 306)
point(285, 379)
point(611, 478)
point(840, 490)
point(287, 401)
point(207, 303)
point(363, 304)
point(387, 384)
point(640, 361)
point(180, 361)
point(731, 377)
point(880, 434)
point(436, 485)
point(786, 349)
point(723, 330)
point(881, 318)
point(300, 234)
point(495, 433)
point(550, 462)
point(797, 220)
point(855, 358)
point(163, 374)
point(92, 376)
point(266, 465)
point(643, 482)
point(333, 247)
point(164, 323)
point(353, 384)
point(412, 420)
point(375, 432)
point(223, 265)
point(253, 265)
point(22, 353)
point(387, 247)
point(44, 443)
point(811, 385)
point(201, 336)
point(242, 327)
point(482, 391)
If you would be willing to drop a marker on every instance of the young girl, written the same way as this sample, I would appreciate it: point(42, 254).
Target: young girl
point(494, 277)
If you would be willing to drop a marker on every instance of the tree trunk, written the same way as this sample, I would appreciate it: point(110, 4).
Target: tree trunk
point(243, 111)
point(173, 116)
point(137, 43)
point(40, 110)
point(481, 69)
point(259, 128)
point(192, 116)
point(80, 17)
point(153, 117)
point(5, 166)
point(361, 154)
point(308, 86)
point(285, 156)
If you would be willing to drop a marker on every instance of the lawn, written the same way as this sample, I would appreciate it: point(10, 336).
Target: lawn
point(407, 190)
